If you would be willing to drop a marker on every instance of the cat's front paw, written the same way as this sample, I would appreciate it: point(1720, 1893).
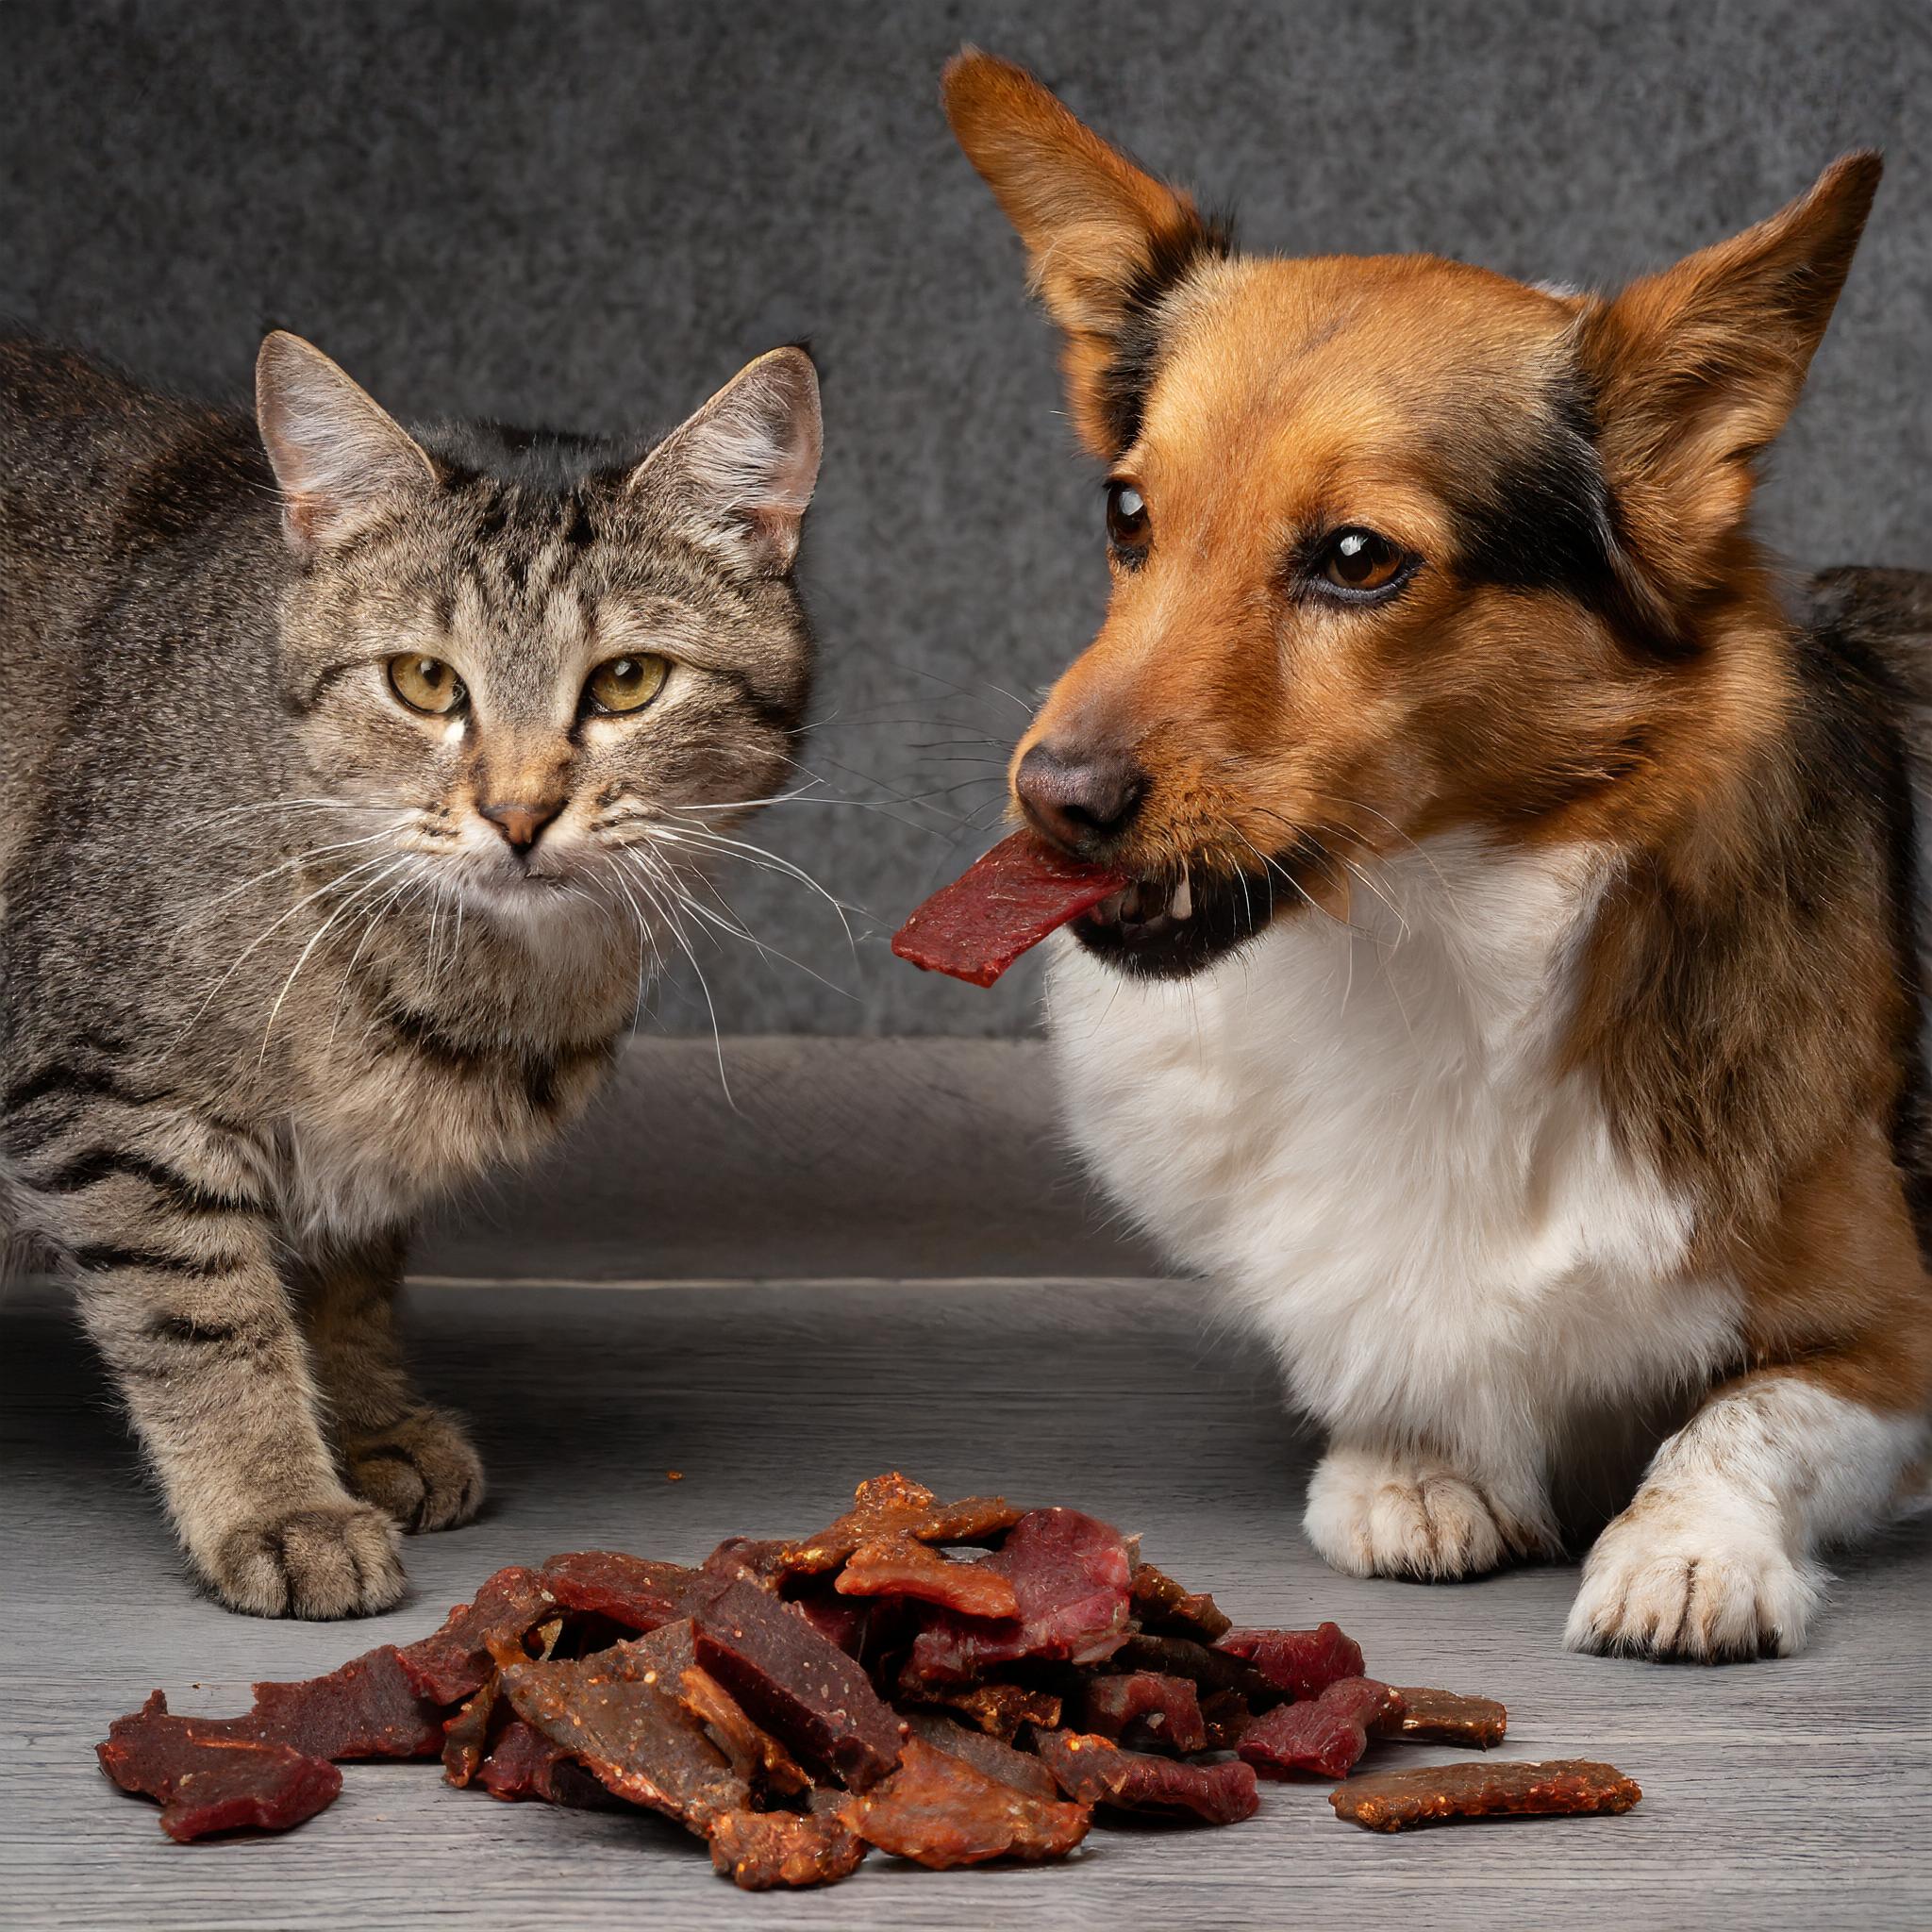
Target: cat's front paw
point(1376, 1513)
point(421, 1470)
point(326, 1559)
point(1668, 1579)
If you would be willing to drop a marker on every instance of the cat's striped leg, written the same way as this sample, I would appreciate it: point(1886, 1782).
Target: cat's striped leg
point(411, 1458)
point(166, 1227)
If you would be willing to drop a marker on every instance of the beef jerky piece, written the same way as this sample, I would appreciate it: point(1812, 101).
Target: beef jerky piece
point(524, 1763)
point(998, 1709)
point(1302, 1663)
point(901, 1566)
point(941, 1811)
point(756, 1560)
point(1069, 1574)
point(448, 1666)
point(631, 1734)
point(895, 1505)
point(1207, 1669)
point(1095, 1770)
point(1444, 1717)
point(366, 1708)
point(1164, 1607)
point(213, 1784)
point(1225, 1717)
point(796, 1683)
point(1020, 1769)
point(842, 1620)
point(630, 1590)
point(466, 1736)
point(755, 1754)
point(1160, 1713)
point(761, 1850)
point(1322, 1737)
point(1437, 1793)
point(1000, 906)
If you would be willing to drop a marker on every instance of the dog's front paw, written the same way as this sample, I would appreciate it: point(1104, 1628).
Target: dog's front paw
point(1668, 1580)
point(324, 1559)
point(422, 1470)
point(1384, 1513)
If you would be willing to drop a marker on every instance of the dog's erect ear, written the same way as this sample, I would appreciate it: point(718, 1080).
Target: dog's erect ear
point(746, 463)
point(1697, 368)
point(1106, 238)
point(337, 454)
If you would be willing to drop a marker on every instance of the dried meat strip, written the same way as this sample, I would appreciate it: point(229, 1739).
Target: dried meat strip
point(1146, 1711)
point(212, 1784)
point(1164, 1607)
point(759, 1851)
point(368, 1708)
point(941, 1811)
point(1299, 1663)
point(452, 1663)
point(1020, 1769)
point(1445, 1717)
point(1001, 905)
point(630, 1590)
point(1323, 1735)
point(1439, 1794)
point(634, 1735)
point(900, 1565)
point(466, 1736)
point(1207, 1669)
point(1095, 1770)
point(524, 1763)
point(895, 1505)
point(998, 1709)
point(795, 1682)
point(1069, 1574)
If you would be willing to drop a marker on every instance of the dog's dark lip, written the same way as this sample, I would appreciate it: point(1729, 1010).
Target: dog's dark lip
point(1138, 931)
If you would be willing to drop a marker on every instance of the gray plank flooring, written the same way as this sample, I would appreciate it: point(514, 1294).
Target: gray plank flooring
point(1778, 1794)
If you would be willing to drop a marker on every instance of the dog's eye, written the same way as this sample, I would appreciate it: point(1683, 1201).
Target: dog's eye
point(1359, 561)
point(427, 684)
point(1128, 528)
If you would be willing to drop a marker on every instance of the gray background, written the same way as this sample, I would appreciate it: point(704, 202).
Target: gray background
point(592, 214)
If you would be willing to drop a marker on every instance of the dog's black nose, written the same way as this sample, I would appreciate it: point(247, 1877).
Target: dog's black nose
point(1082, 800)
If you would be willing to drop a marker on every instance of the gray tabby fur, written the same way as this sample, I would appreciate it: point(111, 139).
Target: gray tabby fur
point(268, 979)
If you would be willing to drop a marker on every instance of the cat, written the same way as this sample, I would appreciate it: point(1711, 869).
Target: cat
point(350, 781)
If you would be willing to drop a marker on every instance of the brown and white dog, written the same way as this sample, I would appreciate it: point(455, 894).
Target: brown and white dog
point(1518, 1005)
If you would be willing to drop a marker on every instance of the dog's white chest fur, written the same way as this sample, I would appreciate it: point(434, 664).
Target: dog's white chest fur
point(1364, 1135)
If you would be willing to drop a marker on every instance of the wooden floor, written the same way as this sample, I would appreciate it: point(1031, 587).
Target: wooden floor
point(1778, 1794)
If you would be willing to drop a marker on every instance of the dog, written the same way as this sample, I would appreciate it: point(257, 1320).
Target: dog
point(1518, 1003)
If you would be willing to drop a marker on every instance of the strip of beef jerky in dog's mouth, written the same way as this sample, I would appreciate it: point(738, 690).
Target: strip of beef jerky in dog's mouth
point(1002, 906)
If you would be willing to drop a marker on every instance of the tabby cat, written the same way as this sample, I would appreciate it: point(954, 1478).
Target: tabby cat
point(349, 782)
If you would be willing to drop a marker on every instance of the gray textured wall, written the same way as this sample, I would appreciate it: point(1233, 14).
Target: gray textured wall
point(590, 214)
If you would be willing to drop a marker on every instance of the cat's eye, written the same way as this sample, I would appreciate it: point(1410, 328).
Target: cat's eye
point(627, 684)
point(427, 684)
point(1359, 562)
point(1129, 528)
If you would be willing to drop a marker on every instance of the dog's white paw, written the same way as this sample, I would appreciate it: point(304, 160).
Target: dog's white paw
point(1667, 1579)
point(1382, 1513)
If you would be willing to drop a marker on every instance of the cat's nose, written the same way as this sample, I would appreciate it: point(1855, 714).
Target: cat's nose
point(1082, 800)
point(522, 825)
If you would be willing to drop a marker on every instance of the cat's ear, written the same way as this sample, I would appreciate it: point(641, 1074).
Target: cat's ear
point(746, 463)
point(338, 456)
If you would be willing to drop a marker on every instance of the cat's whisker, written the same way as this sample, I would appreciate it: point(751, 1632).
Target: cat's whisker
point(721, 841)
point(704, 984)
point(320, 934)
point(208, 905)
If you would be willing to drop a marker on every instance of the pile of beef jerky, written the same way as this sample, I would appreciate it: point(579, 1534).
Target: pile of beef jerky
point(794, 1704)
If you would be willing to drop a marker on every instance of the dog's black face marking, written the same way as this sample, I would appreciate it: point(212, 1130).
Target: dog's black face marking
point(1173, 256)
point(1533, 511)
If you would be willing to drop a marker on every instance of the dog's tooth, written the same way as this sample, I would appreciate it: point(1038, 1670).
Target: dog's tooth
point(1182, 904)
